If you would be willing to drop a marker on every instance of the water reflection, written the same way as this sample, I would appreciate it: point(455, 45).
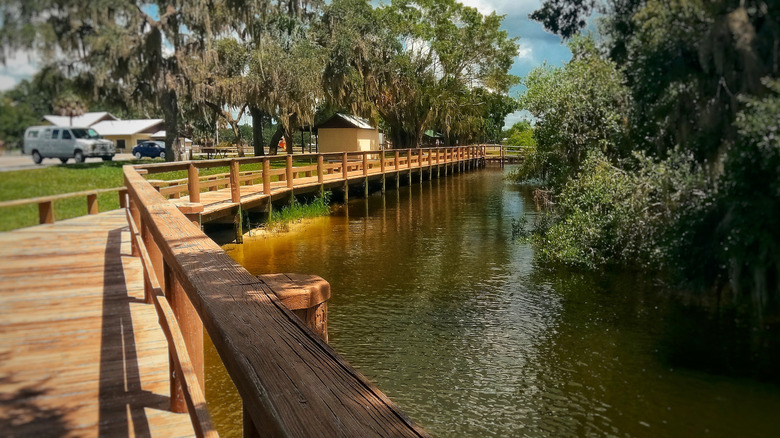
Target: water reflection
point(434, 302)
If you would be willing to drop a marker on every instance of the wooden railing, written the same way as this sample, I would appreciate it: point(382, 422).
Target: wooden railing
point(291, 382)
point(46, 203)
point(325, 166)
point(505, 152)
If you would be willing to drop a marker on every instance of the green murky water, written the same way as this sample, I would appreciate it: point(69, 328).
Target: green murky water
point(434, 302)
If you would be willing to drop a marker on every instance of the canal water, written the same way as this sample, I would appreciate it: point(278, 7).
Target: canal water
point(436, 303)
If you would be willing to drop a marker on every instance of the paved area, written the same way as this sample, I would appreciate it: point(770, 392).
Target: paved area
point(21, 162)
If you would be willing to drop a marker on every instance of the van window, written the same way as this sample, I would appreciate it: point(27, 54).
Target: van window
point(66, 134)
point(55, 134)
point(46, 134)
point(87, 133)
point(32, 134)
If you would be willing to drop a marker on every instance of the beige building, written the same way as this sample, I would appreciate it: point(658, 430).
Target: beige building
point(127, 133)
point(345, 133)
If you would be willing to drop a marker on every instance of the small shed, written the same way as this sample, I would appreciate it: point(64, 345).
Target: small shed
point(347, 133)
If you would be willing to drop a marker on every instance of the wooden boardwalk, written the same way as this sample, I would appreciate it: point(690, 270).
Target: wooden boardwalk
point(80, 352)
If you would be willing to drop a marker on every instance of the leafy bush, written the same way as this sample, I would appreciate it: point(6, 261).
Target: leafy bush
point(610, 216)
point(580, 109)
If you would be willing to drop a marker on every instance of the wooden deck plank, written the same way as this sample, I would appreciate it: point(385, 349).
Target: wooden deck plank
point(80, 353)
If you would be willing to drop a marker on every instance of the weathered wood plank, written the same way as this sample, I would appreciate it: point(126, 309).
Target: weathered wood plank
point(80, 354)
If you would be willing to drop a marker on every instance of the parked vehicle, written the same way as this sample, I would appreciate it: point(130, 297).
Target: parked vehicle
point(151, 149)
point(65, 143)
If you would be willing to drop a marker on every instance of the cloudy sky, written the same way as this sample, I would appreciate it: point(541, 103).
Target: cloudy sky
point(536, 45)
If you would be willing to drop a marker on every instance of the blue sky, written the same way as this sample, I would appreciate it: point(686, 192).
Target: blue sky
point(536, 45)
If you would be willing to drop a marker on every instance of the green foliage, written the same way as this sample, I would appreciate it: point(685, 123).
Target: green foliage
point(733, 236)
point(608, 216)
point(280, 219)
point(419, 65)
point(580, 108)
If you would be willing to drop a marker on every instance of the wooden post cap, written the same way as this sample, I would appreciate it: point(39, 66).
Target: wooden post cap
point(190, 208)
point(298, 291)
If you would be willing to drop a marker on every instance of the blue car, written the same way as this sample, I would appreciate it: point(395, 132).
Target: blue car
point(151, 149)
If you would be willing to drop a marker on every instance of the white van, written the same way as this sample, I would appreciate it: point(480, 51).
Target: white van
point(66, 142)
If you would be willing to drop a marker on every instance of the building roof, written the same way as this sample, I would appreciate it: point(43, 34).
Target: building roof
point(127, 127)
point(84, 120)
point(339, 120)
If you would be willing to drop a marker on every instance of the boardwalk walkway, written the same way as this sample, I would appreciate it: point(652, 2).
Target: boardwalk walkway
point(80, 353)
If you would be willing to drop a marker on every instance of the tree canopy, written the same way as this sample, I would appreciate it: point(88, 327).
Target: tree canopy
point(409, 65)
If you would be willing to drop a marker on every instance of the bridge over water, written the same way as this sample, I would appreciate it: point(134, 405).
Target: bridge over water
point(101, 316)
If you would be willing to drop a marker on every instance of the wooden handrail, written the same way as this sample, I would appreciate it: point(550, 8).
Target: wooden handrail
point(52, 198)
point(46, 203)
point(194, 397)
point(291, 382)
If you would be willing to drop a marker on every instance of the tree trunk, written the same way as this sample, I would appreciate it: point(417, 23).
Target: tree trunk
point(170, 108)
point(272, 146)
point(257, 130)
point(289, 140)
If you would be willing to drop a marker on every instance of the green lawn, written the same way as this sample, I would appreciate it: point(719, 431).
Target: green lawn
point(53, 180)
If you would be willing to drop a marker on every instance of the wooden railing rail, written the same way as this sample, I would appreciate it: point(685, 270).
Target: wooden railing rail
point(290, 381)
point(46, 203)
point(194, 398)
point(343, 163)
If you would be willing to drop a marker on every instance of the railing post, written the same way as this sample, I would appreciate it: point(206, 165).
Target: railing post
point(345, 174)
point(46, 212)
point(123, 198)
point(193, 183)
point(266, 176)
point(192, 332)
point(135, 216)
point(155, 256)
point(92, 203)
point(191, 211)
point(320, 167)
point(289, 172)
point(382, 168)
point(235, 185)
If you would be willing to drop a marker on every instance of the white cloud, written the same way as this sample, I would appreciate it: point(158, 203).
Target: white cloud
point(24, 63)
point(524, 51)
point(484, 7)
point(7, 82)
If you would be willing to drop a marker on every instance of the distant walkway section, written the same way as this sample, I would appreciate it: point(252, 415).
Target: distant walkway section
point(80, 352)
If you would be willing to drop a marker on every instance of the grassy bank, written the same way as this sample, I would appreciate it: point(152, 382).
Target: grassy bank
point(54, 180)
point(280, 219)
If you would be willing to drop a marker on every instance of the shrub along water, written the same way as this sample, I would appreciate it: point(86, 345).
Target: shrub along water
point(280, 219)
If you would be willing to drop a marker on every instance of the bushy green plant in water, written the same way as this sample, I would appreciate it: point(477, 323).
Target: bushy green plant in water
point(611, 216)
point(280, 219)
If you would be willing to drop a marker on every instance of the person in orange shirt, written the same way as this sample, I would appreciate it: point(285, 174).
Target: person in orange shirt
point(282, 145)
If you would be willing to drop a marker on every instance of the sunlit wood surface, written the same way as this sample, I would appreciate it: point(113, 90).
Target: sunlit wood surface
point(80, 353)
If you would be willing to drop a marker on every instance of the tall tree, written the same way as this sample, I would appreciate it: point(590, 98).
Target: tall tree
point(415, 63)
point(133, 49)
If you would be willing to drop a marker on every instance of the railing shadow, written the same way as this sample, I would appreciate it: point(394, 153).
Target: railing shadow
point(121, 397)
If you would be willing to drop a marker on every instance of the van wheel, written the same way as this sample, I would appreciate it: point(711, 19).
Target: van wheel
point(78, 156)
point(37, 158)
point(162, 155)
point(64, 160)
point(138, 156)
